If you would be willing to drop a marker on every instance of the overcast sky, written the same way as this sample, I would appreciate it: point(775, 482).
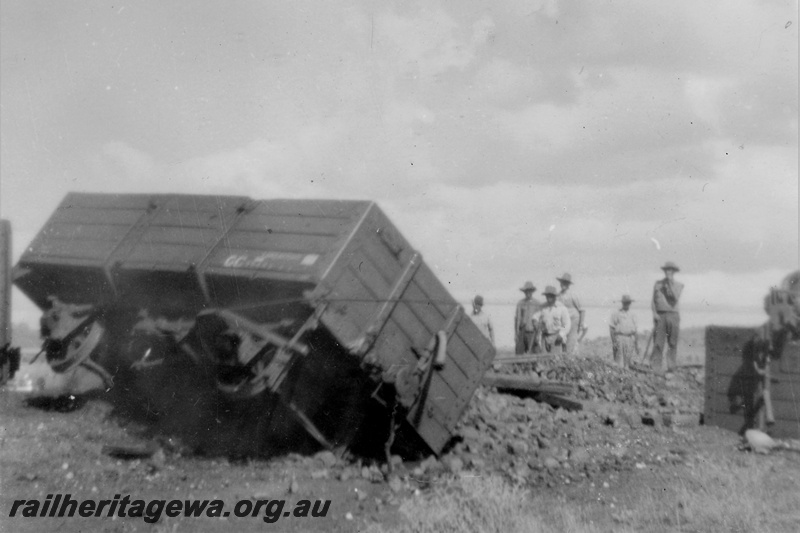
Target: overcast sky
point(507, 140)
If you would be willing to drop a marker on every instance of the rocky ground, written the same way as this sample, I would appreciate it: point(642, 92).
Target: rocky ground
point(622, 421)
point(633, 426)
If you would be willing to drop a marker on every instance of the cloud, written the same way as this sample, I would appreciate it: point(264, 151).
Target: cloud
point(543, 127)
point(720, 288)
point(600, 228)
point(430, 42)
point(501, 81)
point(508, 141)
point(136, 164)
point(755, 194)
point(593, 231)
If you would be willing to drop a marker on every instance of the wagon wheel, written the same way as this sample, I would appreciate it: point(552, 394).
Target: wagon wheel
point(75, 348)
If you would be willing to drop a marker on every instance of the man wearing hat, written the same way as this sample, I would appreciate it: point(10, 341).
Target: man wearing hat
point(576, 313)
point(482, 318)
point(666, 318)
point(524, 324)
point(622, 327)
point(554, 321)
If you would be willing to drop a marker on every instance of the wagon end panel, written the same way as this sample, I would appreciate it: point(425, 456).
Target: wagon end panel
point(386, 306)
point(446, 389)
point(363, 282)
point(69, 255)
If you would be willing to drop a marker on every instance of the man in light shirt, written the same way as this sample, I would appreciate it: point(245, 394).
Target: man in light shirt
point(554, 322)
point(576, 313)
point(482, 318)
point(622, 327)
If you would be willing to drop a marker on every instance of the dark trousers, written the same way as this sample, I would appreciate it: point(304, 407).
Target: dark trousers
point(667, 331)
point(526, 342)
point(552, 343)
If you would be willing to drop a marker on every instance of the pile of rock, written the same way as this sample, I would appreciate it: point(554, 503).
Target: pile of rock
point(532, 443)
point(596, 379)
point(620, 427)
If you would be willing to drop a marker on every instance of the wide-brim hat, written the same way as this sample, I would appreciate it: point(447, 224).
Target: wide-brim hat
point(669, 265)
point(566, 278)
point(626, 298)
point(528, 286)
point(550, 290)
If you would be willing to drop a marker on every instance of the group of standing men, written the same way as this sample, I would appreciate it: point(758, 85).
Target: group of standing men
point(552, 326)
point(666, 324)
point(556, 324)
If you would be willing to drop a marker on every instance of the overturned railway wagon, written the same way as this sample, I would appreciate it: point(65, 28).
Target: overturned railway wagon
point(312, 317)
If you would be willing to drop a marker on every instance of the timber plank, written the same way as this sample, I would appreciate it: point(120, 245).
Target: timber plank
point(556, 400)
point(525, 384)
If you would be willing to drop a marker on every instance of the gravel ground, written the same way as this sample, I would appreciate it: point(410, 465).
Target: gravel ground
point(631, 424)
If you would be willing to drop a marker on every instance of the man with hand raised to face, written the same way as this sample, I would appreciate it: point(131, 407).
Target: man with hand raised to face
point(666, 318)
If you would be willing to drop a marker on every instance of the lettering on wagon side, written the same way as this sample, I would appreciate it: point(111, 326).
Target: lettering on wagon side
point(269, 260)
